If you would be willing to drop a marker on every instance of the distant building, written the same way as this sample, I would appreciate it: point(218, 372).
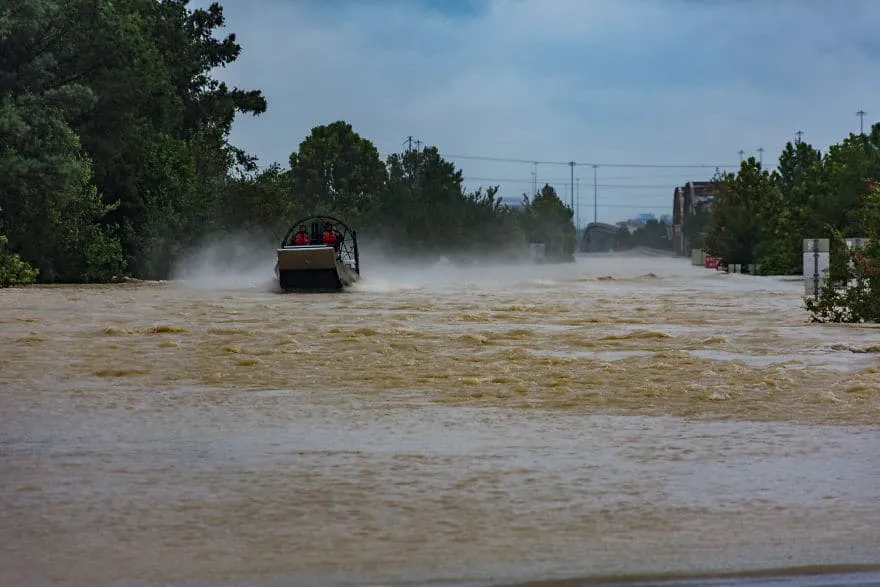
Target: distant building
point(688, 203)
point(633, 224)
point(511, 202)
point(640, 220)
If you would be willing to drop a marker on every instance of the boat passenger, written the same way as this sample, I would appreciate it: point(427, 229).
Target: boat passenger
point(302, 237)
point(330, 237)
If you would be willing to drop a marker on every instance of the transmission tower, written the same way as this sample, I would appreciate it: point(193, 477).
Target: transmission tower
point(861, 115)
point(409, 143)
point(571, 167)
point(742, 155)
point(799, 134)
point(761, 155)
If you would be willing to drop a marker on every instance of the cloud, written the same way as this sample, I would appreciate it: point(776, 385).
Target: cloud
point(628, 81)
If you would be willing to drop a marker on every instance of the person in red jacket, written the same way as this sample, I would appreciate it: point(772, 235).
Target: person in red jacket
point(302, 237)
point(330, 237)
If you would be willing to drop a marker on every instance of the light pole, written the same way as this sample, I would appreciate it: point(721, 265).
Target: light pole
point(595, 194)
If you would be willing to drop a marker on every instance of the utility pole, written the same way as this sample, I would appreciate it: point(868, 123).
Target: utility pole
point(577, 216)
point(595, 194)
point(799, 134)
point(861, 115)
point(571, 167)
point(534, 178)
point(741, 155)
point(761, 155)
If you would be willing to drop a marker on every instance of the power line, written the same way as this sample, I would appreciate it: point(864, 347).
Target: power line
point(645, 176)
point(570, 163)
point(641, 207)
point(623, 186)
point(636, 206)
point(410, 140)
point(566, 182)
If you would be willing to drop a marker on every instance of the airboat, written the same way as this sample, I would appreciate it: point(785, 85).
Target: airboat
point(308, 262)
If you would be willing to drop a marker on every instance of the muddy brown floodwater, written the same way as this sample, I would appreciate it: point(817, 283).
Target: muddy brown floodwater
point(618, 416)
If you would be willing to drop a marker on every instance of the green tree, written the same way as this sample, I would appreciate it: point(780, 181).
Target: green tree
point(260, 204)
point(337, 172)
point(51, 207)
point(14, 271)
point(492, 226)
point(423, 203)
point(157, 131)
point(853, 294)
point(424, 208)
point(737, 224)
point(132, 79)
point(652, 234)
point(791, 217)
point(843, 190)
point(548, 220)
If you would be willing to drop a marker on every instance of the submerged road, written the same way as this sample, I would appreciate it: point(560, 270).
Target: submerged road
point(493, 425)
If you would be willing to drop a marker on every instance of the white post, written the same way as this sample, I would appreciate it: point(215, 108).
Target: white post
point(816, 264)
point(537, 252)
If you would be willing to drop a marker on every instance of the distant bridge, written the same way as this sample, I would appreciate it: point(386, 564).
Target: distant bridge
point(599, 238)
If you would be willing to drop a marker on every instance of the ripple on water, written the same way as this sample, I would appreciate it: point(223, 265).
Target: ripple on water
point(493, 425)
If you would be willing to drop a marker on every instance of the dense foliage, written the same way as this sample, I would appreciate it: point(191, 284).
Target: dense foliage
point(762, 217)
point(652, 234)
point(115, 160)
point(852, 294)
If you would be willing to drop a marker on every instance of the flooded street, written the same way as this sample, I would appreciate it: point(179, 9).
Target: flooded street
point(619, 416)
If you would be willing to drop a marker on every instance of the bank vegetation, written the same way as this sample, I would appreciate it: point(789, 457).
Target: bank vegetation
point(761, 217)
point(115, 158)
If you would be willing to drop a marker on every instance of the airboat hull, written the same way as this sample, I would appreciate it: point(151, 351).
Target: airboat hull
point(317, 266)
point(312, 268)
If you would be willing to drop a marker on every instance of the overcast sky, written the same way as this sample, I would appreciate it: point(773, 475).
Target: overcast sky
point(594, 81)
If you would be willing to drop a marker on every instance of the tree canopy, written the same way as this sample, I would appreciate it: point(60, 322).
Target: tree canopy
point(761, 217)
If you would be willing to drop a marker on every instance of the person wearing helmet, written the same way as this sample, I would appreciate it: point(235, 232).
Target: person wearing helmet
point(302, 237)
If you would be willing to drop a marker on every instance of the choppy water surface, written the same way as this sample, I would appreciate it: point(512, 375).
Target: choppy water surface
point(617, 416)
